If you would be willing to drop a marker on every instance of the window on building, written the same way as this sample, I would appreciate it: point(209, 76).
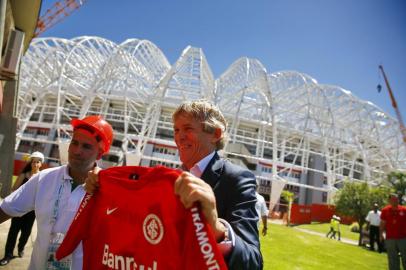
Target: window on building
point(161, 163)
point(164, 150)
point(324, 197)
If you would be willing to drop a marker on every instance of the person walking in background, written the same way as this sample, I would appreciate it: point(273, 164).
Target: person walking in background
point(262, 212)
point(24, 223)
point(55, 193)
point(373, 220)
point(336, 228)
point(331, 231)
point(393, 223)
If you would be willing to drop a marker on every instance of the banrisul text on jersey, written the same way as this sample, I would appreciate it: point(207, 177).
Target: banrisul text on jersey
point(114, 261)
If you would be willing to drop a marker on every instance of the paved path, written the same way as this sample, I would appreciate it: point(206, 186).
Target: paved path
point(17, 263)
point(344, 240)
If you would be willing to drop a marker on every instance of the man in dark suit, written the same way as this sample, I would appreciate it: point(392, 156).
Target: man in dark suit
point(225, 191)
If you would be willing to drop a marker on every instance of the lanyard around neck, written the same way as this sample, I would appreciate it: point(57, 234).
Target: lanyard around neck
point(55, 211)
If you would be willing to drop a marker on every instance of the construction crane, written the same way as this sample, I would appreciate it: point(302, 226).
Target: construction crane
point(56, 13)
point(394, 105)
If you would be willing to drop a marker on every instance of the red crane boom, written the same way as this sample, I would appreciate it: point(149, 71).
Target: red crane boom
point(56, 13)
point(394, 105)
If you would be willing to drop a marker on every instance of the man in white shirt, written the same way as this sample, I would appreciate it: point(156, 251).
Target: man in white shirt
point(55, 193)
point(373, 220)
point(262, 212)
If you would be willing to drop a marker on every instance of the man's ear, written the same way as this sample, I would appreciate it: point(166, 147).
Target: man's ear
point(218, 134)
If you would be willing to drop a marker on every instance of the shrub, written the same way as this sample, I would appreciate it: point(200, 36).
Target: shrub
point(354, 227)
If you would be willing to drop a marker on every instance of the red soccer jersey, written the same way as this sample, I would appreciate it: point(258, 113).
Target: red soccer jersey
point(395, 221)
point(140, 224)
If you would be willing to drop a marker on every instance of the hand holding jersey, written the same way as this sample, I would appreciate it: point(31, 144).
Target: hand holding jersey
point(191, 189)
point(92, 181)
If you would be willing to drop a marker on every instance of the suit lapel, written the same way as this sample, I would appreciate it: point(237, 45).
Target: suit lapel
point(211, 175)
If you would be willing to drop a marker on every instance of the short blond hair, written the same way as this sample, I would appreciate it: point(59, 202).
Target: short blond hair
point(208, 114)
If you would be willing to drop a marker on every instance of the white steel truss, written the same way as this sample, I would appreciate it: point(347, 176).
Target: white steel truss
point(285, 121)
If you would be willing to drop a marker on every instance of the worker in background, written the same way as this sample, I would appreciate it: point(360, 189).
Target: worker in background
point(336, 228)
point(23, 224)
point(262, 212)
point(373, 220)
point(331, 231)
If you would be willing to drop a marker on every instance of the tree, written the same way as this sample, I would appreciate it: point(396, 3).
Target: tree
point(397, 180)
point(356, 199)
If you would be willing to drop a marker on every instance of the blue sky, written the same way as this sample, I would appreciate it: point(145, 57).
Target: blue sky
point(337, 42)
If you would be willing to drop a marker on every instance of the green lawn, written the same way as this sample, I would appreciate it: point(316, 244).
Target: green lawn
point(287, 248)
point(325, 227)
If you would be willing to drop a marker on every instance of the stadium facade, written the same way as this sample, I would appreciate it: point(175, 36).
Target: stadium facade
point(284, 126)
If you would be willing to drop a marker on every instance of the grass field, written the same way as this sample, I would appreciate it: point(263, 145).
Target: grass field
point(287, 248)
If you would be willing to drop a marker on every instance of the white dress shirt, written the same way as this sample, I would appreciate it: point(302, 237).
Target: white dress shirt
point(260, 206)
point(200, 166)
point(374, 218)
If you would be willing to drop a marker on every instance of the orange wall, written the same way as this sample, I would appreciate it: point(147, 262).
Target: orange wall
point(300, 214)
point(305, 214)
point(322, 212)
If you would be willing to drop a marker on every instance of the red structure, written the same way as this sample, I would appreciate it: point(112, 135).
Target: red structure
point(306, 214)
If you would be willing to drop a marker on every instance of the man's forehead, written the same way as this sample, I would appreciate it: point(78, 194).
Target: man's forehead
point(84, 135)
point(185, 119)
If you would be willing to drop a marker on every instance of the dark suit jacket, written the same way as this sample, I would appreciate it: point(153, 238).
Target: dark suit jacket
point(234, 188)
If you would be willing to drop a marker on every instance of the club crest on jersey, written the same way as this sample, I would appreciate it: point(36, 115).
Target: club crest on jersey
point(153, 229)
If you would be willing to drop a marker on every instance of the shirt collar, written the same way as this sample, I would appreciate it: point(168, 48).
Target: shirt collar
point(202, 164)
point(66, 175)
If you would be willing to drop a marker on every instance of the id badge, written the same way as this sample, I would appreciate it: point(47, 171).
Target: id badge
point(52, 263)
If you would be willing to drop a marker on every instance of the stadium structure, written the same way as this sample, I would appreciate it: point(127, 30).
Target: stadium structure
point(284, 126)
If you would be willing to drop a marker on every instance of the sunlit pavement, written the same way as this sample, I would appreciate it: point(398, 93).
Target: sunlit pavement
point(16, 263)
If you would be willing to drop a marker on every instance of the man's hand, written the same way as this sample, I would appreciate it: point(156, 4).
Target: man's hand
point(382, 227)
point(191, 189)
point(92, 180)
point(264, 230)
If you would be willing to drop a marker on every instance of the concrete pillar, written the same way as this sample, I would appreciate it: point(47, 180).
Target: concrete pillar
point(8, 128)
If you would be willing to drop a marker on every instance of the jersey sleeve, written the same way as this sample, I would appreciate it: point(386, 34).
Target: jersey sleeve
point(200, 251)
point(78, 229)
